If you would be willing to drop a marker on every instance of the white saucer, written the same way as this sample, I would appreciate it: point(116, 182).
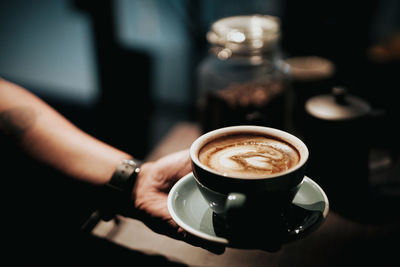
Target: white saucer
point(191, 212)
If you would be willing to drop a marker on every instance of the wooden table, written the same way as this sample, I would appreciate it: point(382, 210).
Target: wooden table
point(340, 241)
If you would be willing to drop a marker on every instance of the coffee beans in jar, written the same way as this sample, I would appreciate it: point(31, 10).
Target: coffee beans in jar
point(243, 80)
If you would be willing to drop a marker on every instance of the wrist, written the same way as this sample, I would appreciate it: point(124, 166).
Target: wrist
point(118, 191)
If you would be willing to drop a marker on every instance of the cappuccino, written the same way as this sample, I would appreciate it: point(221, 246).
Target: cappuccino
point(246, 155)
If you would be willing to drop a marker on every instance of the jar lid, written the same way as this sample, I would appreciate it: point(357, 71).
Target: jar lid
point(310, 68)
point(337, 106)
point(245, 34)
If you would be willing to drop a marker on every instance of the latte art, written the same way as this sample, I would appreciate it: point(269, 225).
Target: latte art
point(248, 156)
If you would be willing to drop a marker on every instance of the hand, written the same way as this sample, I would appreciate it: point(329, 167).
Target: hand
point(150, 195)
point(153, 184)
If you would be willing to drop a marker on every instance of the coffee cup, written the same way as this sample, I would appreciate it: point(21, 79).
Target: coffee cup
point(245, 171)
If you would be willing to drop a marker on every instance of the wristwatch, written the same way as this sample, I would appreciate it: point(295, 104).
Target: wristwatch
point(118, 191)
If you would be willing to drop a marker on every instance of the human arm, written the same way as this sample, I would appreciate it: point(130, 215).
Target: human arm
point(50, 138)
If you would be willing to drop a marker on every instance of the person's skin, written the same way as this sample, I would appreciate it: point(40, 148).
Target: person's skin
point(48, 137)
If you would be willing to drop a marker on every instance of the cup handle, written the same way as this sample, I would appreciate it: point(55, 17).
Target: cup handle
point(235, 201)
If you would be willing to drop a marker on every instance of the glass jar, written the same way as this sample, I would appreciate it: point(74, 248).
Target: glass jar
point(243, 79)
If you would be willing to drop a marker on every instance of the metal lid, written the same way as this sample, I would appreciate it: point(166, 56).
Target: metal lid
point(337, 106)
point(245, 34)
point(310, 68)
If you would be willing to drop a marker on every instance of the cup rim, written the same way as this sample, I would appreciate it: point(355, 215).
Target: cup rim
point(285, 136)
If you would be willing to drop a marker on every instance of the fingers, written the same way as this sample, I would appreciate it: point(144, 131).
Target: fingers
point(213, 247)
point(176, 165)
point(193, 240)
point(181, 234)
point(174, 231)
point(186, 164)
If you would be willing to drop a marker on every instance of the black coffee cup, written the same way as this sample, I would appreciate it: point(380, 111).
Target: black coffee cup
point(241, 195)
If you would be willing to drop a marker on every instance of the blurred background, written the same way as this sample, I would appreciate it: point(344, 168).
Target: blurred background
point(124, 70)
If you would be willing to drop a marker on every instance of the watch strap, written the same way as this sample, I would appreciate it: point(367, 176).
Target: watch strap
point(125, 176)
point(118, 196)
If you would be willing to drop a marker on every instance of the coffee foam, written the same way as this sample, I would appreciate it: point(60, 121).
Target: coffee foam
point(248, 156)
